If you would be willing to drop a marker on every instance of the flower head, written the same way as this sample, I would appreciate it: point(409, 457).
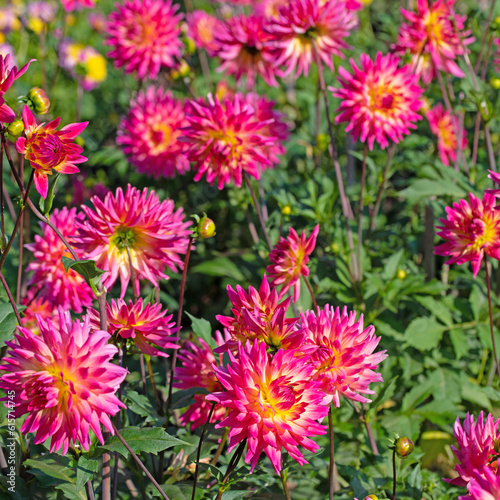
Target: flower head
point(443, 125)
point(272, 402)
point(202, 28)
point(344, 359)
point(430, 36)
point(289, 259)
point(47, 148)
point(477, 442)
point(136, 222)
point(225, 140)
point(304, 26)
point(150, 133)
point(144, 36)
point(49, 280)
point(64, 380)
point(36, 306)
point(379, 101)
point(471, 230)
point(484, 485)
point(144, 324)
point(8, 74)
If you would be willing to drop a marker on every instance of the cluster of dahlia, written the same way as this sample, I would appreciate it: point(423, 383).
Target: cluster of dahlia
point(283, 371)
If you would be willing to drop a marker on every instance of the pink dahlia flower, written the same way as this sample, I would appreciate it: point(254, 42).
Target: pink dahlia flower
point(47, 148)
point(484, 485)
point(379, 101)
point(144, 36)
point(443, 125)
point(432, 40)
point(8, 74)
point(38, 307)
point(272, 402)
point(64, 380)
point(150, 133)
point(145, 325)
point(289, 259)
point(72, 5)
point(197, 370)
point(344, 361)
point(302, 26)
point(244, 49)
point(477, 447)
point(137, 223)
point(49, 280)
point(225, 140)
point(202, 28)
point(471, 230)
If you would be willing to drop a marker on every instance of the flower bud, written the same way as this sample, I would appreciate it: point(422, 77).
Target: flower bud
point(39, 101)
point(401, 274)
point(182, 71)
point(403, 446)
point(495, 82)
point(16, 128)
point(286, 210)
point(206, 228)
point(371, 497)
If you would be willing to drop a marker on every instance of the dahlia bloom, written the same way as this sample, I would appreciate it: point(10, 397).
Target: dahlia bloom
point(225, 140)
point(145, 325)
point(289, 259)
point(197, 370)
point(150, 133)
point(430, 37)
point(64, 380)
point(304, 24)
point(379, 101)
point(72, 5)
point(47, 148)
point(344, 361)
point(49, 280)
point(471, 230)
point(137, 222)
point(144, 36)
point(477, 442)
point(485, 485)
point(258, 315)
point(36, 306)
point(243, 46)
point(272, 402)
point(443, 125)
point(8, 74)
point(202, 28)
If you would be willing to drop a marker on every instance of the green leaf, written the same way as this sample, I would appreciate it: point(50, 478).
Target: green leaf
point(85, 471)
point(52, 469)
point(425, 188)
point(459, 341)
point(149, 440)
point(424, 333)
point(87, 269)
point(203, 329)
point(220, 266)
point(46, 204)
point(385, 394)
point(436, 308)
point(140, 404)
point(8, 322)
point(391, 265)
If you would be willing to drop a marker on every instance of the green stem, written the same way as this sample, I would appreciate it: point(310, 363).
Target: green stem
point(283, 476)
point(331, 466)
point(490, 310)
point(257, 209)
point(360, 214)
point(394, 474)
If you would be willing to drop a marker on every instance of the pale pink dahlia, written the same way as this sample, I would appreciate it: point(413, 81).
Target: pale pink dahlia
point(49, 280)
point(225, 140)
point(380, 101)
point(150, 133)
point(143, 324)
point(71, 5)
point(471, 230)
point(144, 35)
point(47, 148)
point(304, 26)
point(8, 74)
point(202, 28)
point(432, 40)
point(244, 49)
point(197, 370)
point(484, 485)
point(258, 315)
point(64, 380)
point(137, 222)
point(272, 402)
point(477, 447)
point(344, 361)
point(443, 125)
point(289, 259)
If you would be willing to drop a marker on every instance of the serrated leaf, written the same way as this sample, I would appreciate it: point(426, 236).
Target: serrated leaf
point(424, 333)
point(148, 440)
point(203, 329)
point(52, 469)
point(8, 322)
point(46, 204)
point(220, 266)
point(140, 404)
point(85, 471)
point(87, 269)
point(436, 308)
point(459, 341)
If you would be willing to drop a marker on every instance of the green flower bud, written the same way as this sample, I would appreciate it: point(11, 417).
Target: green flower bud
point(39, 101)
point(16, 128)
point(206, 228)
point(403, 446)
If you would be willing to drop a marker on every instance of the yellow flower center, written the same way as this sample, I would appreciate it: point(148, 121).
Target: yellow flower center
point(160, 138)
point(277, 398)
point(482, 232)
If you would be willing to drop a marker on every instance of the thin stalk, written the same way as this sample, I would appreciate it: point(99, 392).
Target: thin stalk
point(221, 446)
point(10, 205)
point(283, 476)
point(257, 209)
point(317, 126)
point(205, 68)
point(475, 143)
point(21, 232)
point(2, 241)
point(368, 427)
point(139, 463)
point(485, 34)
point(311, 292)
point(11, 299)
point(488, 287)
point(231, 466)
point(489, 148)
point(360, 214)
point(135, 281)
point(198, 453)
point(331, 466)
point(394, 474)
point(89, 490)
point(153, 383)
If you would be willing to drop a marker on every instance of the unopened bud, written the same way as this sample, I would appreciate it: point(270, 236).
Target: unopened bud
point(182, 71)
point(206, 228)
point(403, 446)
point(39, 101)
point(286, 210)
point(16, 128)
point(495, 82)
point(401, 274)
point(371, 497)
